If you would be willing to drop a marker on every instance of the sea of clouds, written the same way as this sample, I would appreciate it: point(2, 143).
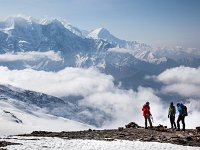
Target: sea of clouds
point(98, 91)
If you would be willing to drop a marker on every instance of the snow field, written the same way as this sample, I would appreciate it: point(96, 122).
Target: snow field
point(44, 143)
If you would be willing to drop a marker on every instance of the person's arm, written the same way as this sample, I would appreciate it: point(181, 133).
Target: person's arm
point(168, 112)
point(174, 110)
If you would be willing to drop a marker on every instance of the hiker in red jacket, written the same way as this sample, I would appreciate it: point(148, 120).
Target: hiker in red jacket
point(147, 114)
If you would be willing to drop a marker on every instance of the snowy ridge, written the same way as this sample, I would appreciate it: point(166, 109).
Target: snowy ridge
point(139, 50)
point(25, 111)
point(146, 56)
point(102, 33)
point(31, 102)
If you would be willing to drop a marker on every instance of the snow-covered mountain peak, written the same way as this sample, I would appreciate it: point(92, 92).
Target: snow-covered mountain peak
point(74, 29)
point(20, 20)
point(46, 21)
point(13, 21)
point(100, 33)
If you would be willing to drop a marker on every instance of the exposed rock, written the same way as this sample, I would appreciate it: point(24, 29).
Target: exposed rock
point(120, 128)
point(198, 129)
point(188, 138)
point(132, 132)
point(17, 120)
point(161, 128)
point(132, 125)
point(4, 144)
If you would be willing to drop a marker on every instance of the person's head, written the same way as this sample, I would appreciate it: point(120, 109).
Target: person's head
point(178, 104)
point(171, 104)
point(147, 103)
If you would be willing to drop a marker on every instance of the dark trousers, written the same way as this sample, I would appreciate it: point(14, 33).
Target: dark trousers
point(172, 121)
point(149, 119)
point(181, 118)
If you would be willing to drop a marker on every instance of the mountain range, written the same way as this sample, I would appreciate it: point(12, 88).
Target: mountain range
point(129, 62)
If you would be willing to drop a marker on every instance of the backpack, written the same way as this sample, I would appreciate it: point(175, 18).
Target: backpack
point(184, 110)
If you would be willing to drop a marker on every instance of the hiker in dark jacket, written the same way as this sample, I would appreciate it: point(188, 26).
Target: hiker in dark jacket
point(181, 116)
point(171, 115)
point(147, 114)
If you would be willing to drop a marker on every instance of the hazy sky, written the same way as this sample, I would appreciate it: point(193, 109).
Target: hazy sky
point(155, 22)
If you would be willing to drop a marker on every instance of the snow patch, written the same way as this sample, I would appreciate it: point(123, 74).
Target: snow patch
point(144, 55)
point(44, 143)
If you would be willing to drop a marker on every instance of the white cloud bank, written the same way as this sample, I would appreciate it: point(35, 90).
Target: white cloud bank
point(70, 81)
point(98, 91)
point(30, 56)
point(182, 80)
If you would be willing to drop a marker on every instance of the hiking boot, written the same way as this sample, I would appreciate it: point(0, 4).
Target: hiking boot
point(177, 129)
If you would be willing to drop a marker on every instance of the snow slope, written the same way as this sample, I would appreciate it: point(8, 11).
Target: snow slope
point(15, 121)
point(30, 102)
point(23, 111)
point(43, 143)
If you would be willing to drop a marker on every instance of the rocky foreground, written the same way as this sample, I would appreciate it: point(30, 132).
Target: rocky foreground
point(190, 137)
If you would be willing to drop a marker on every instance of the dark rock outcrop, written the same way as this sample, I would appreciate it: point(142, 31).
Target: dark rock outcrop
point(4, 144)
point(198, 129)
point(132, 125)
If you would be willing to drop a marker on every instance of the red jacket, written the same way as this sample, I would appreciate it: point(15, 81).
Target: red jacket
point(146, 110)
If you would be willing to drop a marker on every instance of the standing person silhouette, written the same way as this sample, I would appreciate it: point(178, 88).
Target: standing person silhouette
point(171, 115)
point(182, 109)
point(147, 114)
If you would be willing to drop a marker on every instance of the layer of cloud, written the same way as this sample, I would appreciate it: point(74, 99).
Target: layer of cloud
point(185, 82)
point(182, 80)
point(30, 56)
point(98, 91)
point(70, 81)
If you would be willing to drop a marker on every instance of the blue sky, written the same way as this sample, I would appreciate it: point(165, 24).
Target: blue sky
point(155, 22)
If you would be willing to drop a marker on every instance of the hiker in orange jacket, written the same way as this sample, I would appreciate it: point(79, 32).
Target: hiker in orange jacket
point(147, 114)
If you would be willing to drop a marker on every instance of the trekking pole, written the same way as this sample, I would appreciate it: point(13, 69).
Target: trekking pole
point(151, 118)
